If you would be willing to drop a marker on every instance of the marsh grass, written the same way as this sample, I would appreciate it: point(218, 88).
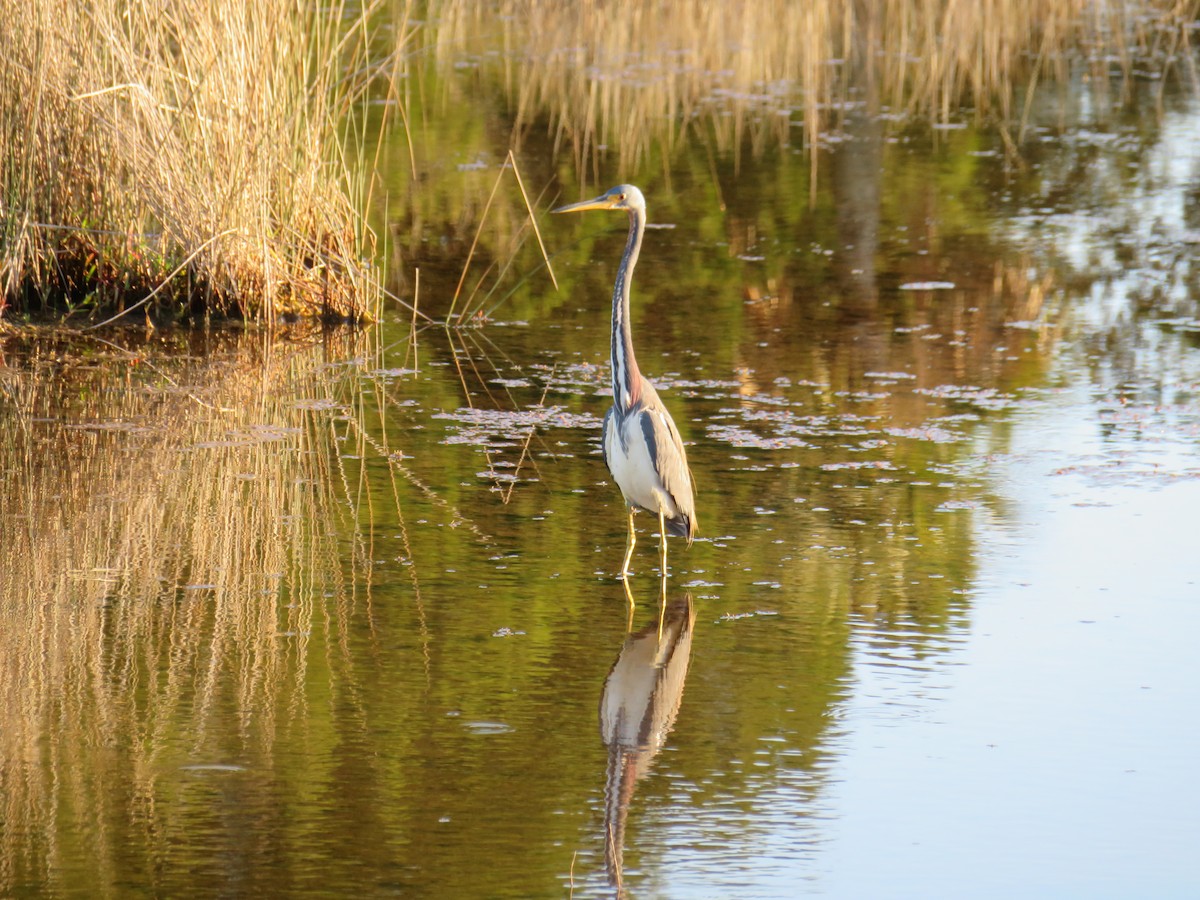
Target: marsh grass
point(591, 92)
point(183, 544)
point(186, 152)
point(625, 76)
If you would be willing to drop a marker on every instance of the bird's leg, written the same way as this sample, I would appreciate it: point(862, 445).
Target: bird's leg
point(662, 580)
point(662, 540)
point(628, 550)
point(662, 604)
point(629, 597)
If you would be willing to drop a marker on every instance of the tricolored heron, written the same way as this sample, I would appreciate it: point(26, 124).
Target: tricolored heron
point(642, 446)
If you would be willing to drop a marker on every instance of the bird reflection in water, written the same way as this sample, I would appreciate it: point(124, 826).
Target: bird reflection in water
point(637, 711)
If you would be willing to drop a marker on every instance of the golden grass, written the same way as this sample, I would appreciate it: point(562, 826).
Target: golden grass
point(193, 156)
point(189, 148)
point(623, 76)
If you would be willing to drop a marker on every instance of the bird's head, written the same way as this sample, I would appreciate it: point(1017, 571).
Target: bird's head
point(623, 196)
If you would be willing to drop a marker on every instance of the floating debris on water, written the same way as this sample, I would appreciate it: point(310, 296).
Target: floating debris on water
point(1179, 324)
point(482, 427)
point(395, 373)
point(863, 464)
point(987, 398)
point(733, 617)
point(959, 504)
point(929, 433)
point(213, 767)
point(317, 403)
point(744, 437)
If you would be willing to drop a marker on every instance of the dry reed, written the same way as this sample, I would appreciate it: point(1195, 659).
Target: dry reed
point(189, 148)
point(624, 76)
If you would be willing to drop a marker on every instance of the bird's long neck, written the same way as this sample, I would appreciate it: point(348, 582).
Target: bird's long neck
point(625, 374)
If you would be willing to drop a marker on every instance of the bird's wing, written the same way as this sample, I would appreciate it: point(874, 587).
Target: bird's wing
point(604, 436)
point(669, 457)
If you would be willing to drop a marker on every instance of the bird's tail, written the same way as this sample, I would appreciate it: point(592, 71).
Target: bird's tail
point(683, 526)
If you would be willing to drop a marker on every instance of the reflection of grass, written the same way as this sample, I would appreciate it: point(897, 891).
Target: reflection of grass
point(673, 96)
point(165, 564)
point(626, 75)
point(190, 147)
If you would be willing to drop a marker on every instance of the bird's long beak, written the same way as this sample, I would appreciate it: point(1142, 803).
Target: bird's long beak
point(602, 202)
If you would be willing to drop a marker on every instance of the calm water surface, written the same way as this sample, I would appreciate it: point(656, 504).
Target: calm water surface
point(338, 616)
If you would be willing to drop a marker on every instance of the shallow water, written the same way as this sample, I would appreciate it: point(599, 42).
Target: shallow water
point(338, 615)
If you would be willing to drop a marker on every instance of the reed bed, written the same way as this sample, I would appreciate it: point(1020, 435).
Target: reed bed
point(624, 76)
point(171, 546)
point(182, 156)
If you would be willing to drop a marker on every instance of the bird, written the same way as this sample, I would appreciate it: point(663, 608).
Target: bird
point(642, 446)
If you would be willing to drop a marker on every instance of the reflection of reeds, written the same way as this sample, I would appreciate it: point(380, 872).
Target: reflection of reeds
point(627, 75)
point(164, 562)
point(189, 146)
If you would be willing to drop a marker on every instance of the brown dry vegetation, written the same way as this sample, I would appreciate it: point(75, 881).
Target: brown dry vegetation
point(189, 148)
point(625, 75)
point(193, 152)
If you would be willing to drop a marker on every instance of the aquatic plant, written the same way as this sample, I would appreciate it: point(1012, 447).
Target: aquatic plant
point(183, 156)
point(625, 77)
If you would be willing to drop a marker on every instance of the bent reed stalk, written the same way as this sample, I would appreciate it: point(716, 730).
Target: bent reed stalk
point(189, 148)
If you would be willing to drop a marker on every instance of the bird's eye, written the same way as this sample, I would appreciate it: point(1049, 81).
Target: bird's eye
point(622, 197)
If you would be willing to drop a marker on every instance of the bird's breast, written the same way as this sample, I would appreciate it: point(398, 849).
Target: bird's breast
point(633, 465)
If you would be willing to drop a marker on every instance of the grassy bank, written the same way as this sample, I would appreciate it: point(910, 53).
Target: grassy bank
point(186, 152)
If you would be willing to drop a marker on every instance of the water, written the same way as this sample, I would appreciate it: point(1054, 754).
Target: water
point(337, 615)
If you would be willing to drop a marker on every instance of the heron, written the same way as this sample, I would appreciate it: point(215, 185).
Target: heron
point(642, 447)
